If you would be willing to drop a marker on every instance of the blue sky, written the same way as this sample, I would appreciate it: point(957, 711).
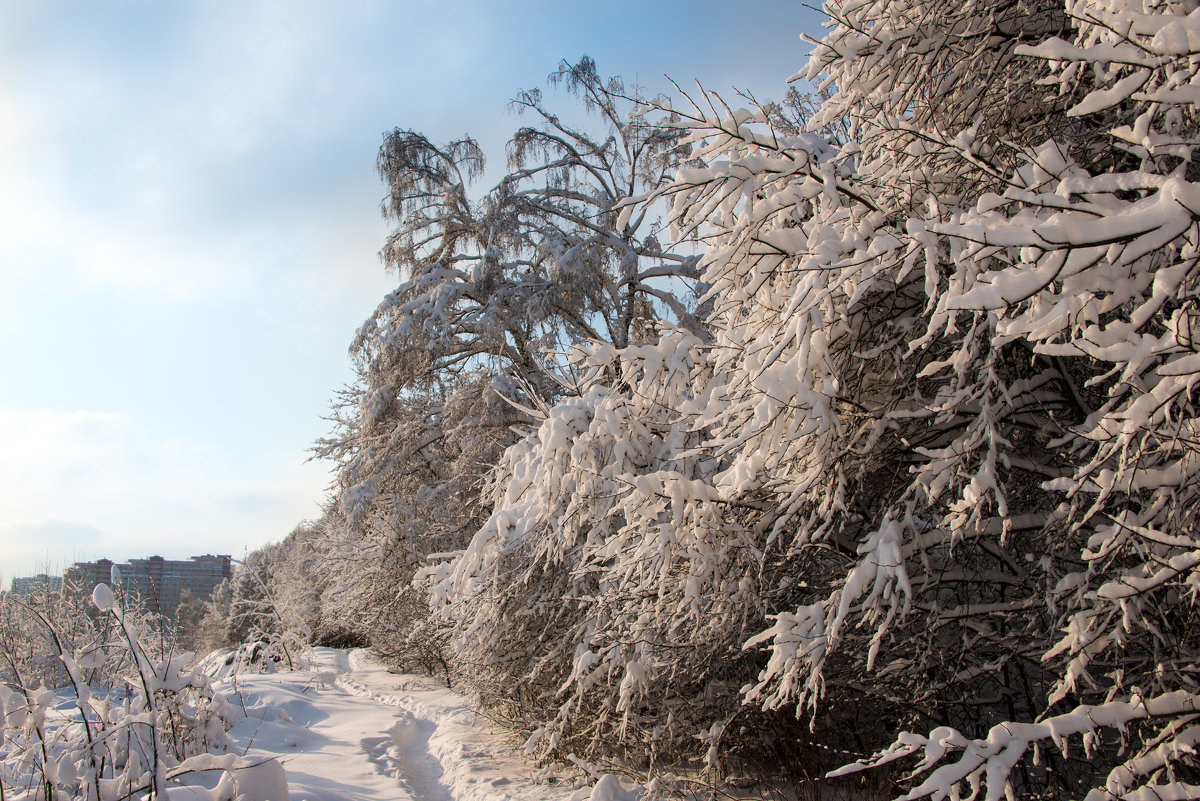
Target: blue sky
point(189, 226)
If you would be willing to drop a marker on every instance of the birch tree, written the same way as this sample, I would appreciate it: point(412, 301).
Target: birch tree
point(494, 287)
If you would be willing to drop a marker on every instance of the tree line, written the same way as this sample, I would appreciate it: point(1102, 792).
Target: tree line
point(852, 435)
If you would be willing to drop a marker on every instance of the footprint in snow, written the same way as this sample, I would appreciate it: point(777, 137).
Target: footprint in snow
point(404, 755)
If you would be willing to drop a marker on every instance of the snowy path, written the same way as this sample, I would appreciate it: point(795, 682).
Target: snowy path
point(346, 729)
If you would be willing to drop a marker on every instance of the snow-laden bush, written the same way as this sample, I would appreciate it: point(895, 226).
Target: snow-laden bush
point(29, 652)
point(268, 611)
point(601, 602)
point(958, 347)
point(104, 736)
point(938, 460)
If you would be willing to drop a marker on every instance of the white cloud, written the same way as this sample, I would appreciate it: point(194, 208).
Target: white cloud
point(164, 177)
point(46, 546)
point(87, 484)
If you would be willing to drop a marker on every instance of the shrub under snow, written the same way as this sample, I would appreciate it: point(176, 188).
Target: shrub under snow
point(123, 723)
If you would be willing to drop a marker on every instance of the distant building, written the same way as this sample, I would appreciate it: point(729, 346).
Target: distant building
point(158, 582)
point(84, 576)
point(40, 583)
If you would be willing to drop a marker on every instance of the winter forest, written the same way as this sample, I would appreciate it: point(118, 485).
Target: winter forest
point(848, 442)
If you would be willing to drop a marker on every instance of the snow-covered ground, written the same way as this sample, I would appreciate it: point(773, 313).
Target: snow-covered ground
point(346, 729)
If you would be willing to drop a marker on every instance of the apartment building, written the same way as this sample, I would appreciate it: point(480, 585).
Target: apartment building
point(42, 582)
point(156, 581)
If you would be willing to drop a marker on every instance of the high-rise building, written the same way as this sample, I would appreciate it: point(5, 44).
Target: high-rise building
point(156, 581)
point(33, 584)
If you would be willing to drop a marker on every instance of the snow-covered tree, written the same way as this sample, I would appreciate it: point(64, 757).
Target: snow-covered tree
point(957, 355)
point(189, 612)
point(493, 286)
point(214, 631)
point(921, 474)
point(940, 443)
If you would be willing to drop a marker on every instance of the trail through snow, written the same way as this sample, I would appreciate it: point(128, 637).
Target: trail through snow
point(346, 729)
